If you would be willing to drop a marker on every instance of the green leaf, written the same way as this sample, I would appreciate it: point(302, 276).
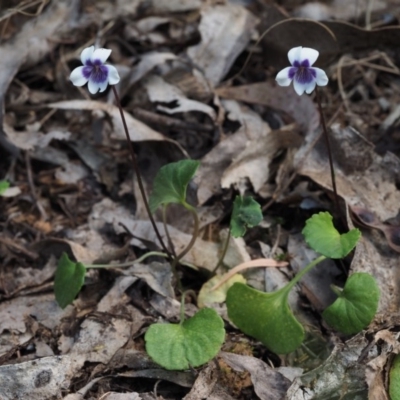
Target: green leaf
point(4, 185)
point(322, 236)
point(394, 383)
point(171, 182)
point(246, 214)
point(356, 306)
point(265, 316)
point(190, 344)
point(68, 280)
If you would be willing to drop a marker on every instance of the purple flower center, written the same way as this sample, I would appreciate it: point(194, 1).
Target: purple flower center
point(305, 75)
point(302, 72)
point(97, 72)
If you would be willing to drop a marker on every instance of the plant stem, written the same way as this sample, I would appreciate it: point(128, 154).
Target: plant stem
point(195, 232)
point(328, 146)
point(300, 274)
point(170, 244)
point(224, 250)
point(128, 263)
point(182, 313)
point(338, 291)
point(138, 175)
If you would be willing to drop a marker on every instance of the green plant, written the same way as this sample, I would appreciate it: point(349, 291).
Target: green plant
point(4, 185)
point(267, 316)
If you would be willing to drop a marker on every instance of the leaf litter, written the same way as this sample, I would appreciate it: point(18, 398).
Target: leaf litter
point(187, 89)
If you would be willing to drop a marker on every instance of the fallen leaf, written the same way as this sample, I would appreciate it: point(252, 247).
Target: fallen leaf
point(225, 32)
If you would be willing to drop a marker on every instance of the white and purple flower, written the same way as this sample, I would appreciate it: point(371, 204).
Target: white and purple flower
point(303, 75)
point(94, 71)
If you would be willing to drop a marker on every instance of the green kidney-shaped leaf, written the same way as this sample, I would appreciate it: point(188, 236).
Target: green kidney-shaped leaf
point(190, 344)
point(356, 306)
point(322, 236)
point(394, 383)
point(265, 316)
point(246, 214)
point(171, 182)
point(4, 185)
point(68, 280)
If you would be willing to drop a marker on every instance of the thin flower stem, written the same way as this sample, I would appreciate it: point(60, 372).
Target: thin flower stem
point(136, 169)
point(224, 250)
point(328, 146)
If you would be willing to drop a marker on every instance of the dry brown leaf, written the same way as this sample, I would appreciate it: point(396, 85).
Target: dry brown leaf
point(138, 131)
point(160, 91)
point(254, 159)
point(40, 379)
point(301, 108)
point(268, 383)
point(225, 32)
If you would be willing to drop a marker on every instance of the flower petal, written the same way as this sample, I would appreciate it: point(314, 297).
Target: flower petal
point(113, 76)
point(283, 77)
point(102, 86)
point(100, 56)
point(310, 87)
point(94, 86)
point(295, 55)
point(309, 54)
point(78, 77)
point(86, 54)
point(298, 87)
point(321, 77)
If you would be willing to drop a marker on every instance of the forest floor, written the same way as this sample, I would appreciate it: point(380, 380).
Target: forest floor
point(198, 82)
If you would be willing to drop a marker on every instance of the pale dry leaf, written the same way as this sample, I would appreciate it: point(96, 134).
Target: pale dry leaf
point(71, 173)
point(43, 308)
point(29, 140)
point(268, 383)
point(147, 62)
point(338, 9)
point(138, 131)
point(160, 91)
point(301, 108)
point(157, 275)
point(343, 373)
point(121, 396)
point(41, 379)
point(253, 160)
point(116, 295)
point(152, 371)
point(31, 44)
point(99, 340)
point(11, 192)
point(207, 387)
point(174, 5)
point(19, 278)
point(225, 32)
point(214, 163)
